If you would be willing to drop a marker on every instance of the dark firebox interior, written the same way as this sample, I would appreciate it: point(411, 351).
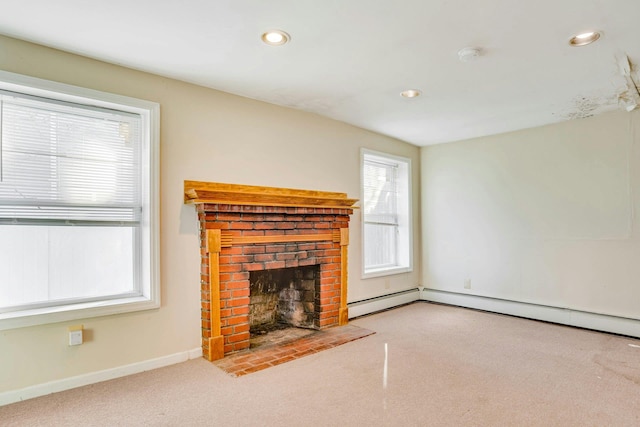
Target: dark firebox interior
point(283, 298)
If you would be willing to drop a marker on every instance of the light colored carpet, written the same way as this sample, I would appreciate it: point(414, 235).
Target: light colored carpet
point(446, 366)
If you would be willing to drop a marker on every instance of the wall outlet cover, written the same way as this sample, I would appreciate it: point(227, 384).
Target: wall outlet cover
point(75, 335)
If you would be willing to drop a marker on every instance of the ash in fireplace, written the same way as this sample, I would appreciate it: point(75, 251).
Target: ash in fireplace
point(279, 336)
point(265, 329)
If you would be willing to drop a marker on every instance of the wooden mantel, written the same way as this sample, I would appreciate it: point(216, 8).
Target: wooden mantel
point(197, 192)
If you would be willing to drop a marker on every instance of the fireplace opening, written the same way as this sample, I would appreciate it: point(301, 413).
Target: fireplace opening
point(283, 298)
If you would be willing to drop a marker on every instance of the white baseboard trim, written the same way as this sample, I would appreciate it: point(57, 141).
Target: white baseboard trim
point(565, 316)
point(38, 390)
point(360, 308)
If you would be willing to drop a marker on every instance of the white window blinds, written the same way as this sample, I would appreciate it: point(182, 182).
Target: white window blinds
point(67, 162)
point(380, 192)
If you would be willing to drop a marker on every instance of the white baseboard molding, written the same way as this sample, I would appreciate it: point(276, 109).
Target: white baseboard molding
point(565, 316)
point(38, 390)
point(360, 308)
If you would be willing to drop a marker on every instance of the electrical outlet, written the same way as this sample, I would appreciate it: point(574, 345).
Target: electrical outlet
point(467, 283)
point(75, 335)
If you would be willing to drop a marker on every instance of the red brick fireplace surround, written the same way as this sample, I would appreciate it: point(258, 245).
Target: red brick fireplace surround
point(250, 228)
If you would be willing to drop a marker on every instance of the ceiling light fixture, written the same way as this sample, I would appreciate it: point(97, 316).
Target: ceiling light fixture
point(410, 93)
point(584, 39)
point(467, 54)
point(275, 37)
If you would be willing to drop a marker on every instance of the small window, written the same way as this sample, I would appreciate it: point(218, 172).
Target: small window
point(386, 195)
point(78, 205)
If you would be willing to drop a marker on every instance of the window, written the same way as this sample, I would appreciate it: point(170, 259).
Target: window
point(78, 202)
point(386, 194)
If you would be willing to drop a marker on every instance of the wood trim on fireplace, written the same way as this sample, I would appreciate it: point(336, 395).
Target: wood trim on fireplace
point(228, 240)
point(216, 341)
point(343, 316)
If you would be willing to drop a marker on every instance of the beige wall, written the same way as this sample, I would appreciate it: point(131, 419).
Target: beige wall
point(205, 135)
point(544, 216)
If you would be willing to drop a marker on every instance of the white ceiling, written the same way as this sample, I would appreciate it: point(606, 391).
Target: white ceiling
point(350, 59)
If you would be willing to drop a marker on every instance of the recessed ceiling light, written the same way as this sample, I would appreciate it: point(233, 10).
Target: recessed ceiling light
point(275, 37)
point(410, 93)
point(584, 39)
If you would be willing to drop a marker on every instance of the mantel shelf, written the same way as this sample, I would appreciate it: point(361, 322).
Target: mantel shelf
point(198, 192)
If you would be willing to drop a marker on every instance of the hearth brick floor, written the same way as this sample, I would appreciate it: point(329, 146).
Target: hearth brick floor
point(267, 355)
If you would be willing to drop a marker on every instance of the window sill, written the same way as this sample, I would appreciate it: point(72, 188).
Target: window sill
point(386, 272)
point(62, 313)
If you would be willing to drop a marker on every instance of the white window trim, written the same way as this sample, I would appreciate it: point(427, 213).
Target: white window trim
point(150, 298)
point(392, 270)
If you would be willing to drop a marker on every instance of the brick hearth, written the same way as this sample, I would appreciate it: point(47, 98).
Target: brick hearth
point(267, 356)
point(248, 228)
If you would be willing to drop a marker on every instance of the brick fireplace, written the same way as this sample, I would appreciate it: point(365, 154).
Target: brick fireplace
point(245, 229)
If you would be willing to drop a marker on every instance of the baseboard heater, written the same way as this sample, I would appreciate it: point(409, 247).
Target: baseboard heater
point(383, 302)
point(560, 315)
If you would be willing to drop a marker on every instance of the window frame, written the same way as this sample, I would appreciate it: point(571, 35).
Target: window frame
point(150, 221)
point(404, 255)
